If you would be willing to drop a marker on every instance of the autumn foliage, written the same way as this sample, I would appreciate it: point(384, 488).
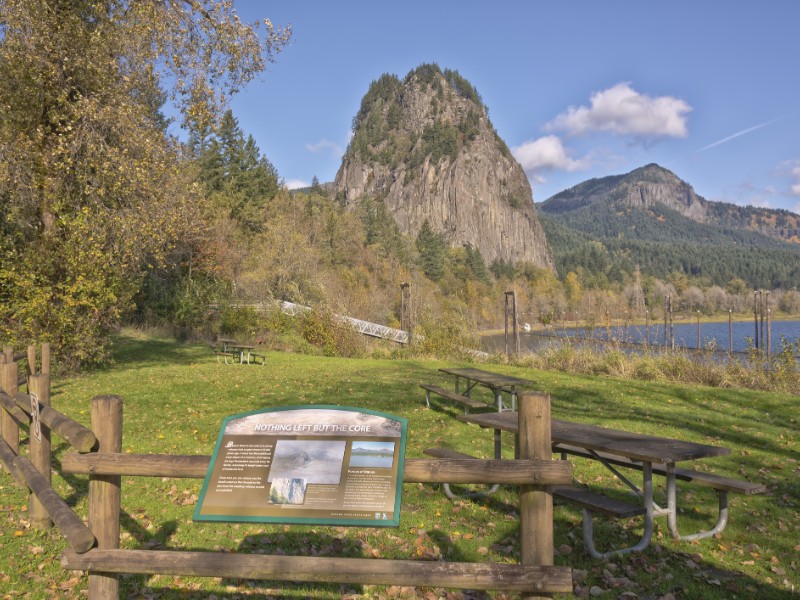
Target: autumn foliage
point(94, 189)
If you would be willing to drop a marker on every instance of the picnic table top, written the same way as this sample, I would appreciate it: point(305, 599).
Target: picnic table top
point(636, 446)
point(232, 344)
point(488, 378)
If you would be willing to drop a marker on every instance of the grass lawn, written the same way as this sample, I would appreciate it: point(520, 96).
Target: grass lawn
point(176, 397)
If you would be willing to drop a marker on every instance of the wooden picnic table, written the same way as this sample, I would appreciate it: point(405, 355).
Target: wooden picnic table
point(496, 382)
point(614, 448)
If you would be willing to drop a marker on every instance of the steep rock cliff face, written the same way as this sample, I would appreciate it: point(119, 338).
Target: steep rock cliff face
point(652, 185)
point(426, 147)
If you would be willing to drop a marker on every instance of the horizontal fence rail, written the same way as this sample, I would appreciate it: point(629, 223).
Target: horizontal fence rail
point(79, 437)
point(416, 470)
point(476, 576)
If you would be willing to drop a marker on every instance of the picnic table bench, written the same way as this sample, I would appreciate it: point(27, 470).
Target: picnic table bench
point(466, 401)
point(615, 448)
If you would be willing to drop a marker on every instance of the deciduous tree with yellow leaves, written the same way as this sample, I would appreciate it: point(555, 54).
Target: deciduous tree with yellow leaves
point(91, 185)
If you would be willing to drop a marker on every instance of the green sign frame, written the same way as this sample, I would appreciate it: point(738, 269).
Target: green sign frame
point(313, 465)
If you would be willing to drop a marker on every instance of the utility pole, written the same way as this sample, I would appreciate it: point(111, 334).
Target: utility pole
point(511, 313)
point(405, 309)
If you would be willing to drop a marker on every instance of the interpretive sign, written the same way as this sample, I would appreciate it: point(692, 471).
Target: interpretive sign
point(327, 465)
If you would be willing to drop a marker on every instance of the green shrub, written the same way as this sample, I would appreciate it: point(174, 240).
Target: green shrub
point(278, 322)
point(321, 329)
point(239, 321)
point(450, 334)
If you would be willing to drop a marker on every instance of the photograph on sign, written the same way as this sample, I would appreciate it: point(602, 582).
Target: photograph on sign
point(318, 465)
point(315, 461)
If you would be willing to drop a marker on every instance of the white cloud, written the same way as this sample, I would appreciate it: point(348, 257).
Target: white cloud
point(624, 111)
point(790, 169)
point(294, 184)
point(795, 172)
point(546, 153)
point(326, 146)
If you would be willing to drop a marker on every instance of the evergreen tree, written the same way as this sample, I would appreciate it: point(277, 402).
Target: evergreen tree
point(477, 264)
point(381, 230)
point(235, 172)
point(315, 187)
point(432, 248)
point(503, 269)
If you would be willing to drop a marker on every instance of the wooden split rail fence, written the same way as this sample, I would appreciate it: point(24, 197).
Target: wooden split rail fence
point(95, 548)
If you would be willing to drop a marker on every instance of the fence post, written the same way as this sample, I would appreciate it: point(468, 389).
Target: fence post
point(104, 493)
point(46, 358)
point(31, 359)
point(39, 439)
point(536, 505)
point(9, 384)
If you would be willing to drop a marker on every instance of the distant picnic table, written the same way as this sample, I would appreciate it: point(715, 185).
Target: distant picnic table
point(498, 383)
point(231, 351)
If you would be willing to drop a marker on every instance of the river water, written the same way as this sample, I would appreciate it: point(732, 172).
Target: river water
point(711, 335)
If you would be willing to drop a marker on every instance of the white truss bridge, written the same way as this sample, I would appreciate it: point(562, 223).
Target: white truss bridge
point(364, 327)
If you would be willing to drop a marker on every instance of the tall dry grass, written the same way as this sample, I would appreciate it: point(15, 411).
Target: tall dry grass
point(778, 373)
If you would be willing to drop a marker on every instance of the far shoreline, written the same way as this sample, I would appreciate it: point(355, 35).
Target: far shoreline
point(539, 329)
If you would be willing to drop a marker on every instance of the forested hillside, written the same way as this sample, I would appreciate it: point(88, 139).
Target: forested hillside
point(614, 259)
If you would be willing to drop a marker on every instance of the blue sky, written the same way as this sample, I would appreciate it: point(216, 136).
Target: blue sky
point(577, 89)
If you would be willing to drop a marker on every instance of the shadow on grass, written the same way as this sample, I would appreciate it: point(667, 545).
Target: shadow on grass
point(682, 572)
point(130, 352)
point(78, 483)
point(291, 543)
point(136, 585)
point(312, 543)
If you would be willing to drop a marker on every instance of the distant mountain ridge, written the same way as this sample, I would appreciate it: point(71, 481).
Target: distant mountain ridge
point(653, 188)
point(652, 219)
